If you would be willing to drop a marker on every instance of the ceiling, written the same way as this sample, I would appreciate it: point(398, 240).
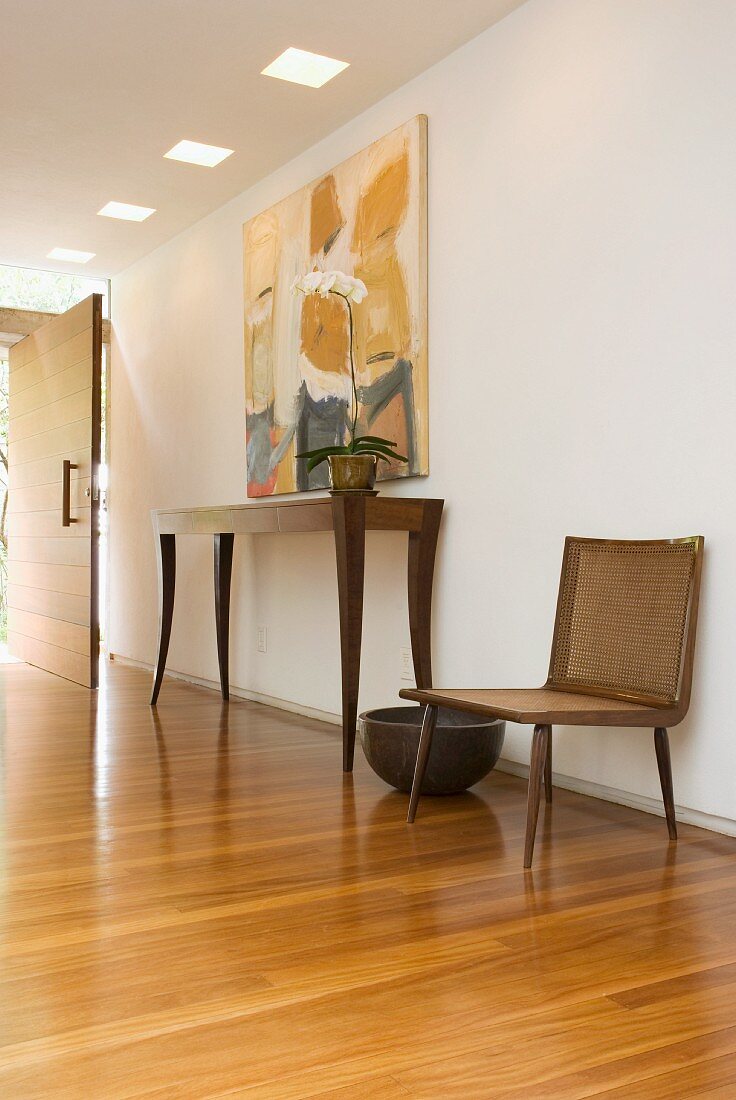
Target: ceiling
point(92, 95)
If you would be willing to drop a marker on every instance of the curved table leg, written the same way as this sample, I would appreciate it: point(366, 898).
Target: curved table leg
point(422, 550)
point(223, 576)
point(348, 513)
point(166, 585)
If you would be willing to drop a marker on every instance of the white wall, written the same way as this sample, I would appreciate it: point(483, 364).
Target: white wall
point(582, 341)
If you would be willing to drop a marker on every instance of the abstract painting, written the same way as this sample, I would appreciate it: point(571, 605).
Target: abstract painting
point(368, 218)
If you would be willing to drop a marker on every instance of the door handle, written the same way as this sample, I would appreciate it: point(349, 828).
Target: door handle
point(66, 485)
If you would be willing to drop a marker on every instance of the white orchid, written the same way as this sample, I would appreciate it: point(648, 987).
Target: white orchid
point(330, 282)
point(351, 290)
point(349, 287)
point(307, 284)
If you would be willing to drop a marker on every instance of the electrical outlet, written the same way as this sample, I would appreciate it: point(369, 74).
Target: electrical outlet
point(407, 665)
point(262, 643)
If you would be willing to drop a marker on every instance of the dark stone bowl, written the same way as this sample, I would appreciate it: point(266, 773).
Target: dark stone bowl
point(465, 747)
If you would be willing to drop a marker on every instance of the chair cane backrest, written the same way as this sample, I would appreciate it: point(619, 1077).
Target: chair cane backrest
point(626, 619)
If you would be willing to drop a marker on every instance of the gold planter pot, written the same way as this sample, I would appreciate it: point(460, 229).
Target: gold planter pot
point(352, 472)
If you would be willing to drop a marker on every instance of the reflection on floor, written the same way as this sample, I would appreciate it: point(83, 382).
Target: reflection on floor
point(194, 902)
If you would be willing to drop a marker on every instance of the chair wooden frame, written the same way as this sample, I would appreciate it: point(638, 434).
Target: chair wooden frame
point(642, 696)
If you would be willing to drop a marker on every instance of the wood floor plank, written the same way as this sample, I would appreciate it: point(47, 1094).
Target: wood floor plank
point(377, 1088)
point(195, 902)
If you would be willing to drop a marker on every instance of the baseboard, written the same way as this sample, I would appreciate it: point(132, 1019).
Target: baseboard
point(238, 692)
point(688, 816)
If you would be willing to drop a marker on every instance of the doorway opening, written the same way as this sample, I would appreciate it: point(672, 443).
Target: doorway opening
point(28, 298)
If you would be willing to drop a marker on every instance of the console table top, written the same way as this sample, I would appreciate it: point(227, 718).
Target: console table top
point(272, 516)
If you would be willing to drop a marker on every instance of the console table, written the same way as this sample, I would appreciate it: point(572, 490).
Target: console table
point(349, 516)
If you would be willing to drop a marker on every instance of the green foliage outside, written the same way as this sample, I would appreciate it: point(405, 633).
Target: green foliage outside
point(47, 291)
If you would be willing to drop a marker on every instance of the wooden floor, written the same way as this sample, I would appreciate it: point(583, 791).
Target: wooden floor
point(198, 904)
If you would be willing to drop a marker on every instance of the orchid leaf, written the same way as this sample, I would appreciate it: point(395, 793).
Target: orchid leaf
point(380, 451)
point(321, 454)
point(374, 439)
point(335, 449)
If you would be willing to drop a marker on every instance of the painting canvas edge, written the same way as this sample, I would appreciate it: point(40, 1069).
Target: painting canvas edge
point(420, 385)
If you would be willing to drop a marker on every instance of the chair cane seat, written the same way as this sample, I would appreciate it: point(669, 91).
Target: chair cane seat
point(543, 706)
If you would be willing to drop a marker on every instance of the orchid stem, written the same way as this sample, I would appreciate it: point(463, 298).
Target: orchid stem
point(352, 366)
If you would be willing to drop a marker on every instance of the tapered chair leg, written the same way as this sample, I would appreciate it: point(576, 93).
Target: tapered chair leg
point(662, 748)
point(425, 744)
point(548, 769)
point(540, 743)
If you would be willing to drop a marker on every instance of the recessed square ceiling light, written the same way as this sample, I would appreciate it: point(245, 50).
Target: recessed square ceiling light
point(303, 67)
point(126, 211)
point(194, 152)
point(71, 255)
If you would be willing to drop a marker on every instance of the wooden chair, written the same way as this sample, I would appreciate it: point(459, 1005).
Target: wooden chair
point(622, 655)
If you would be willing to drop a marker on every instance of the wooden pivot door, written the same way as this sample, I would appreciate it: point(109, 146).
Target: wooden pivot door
point(53, 497)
